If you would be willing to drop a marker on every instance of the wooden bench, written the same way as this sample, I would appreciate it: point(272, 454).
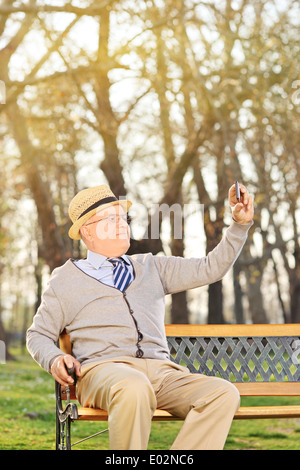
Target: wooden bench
point(261, 360)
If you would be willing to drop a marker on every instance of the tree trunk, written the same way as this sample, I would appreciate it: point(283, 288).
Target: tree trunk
point(295, 289)
point(255, 298)
point(179, 309)
point(238, 294)
point(213, 232)
point(215, 304)
point(56, 249)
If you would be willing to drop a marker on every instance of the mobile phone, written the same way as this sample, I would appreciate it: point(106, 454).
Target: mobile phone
point(237, 191)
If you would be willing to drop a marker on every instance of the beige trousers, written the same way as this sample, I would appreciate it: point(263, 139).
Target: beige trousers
point(130, 390)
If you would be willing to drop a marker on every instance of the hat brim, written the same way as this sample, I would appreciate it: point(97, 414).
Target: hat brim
point(74, 230)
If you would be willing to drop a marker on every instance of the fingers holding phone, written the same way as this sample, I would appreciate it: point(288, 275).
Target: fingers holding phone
point(241, 203)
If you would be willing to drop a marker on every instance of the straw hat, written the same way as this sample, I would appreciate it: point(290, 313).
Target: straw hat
point(87, 202)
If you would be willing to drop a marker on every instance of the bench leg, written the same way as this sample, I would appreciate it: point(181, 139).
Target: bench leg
point(64, 417)
point(63, 433)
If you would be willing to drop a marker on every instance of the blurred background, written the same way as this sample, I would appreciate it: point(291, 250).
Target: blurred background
point(167, 102)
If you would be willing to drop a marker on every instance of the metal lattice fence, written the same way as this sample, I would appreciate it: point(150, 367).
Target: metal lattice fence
point(238, 359)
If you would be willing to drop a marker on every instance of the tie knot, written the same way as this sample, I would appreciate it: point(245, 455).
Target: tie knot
point(116, 261)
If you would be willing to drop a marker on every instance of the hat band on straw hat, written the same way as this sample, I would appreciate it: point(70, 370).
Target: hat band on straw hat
point(98, 204)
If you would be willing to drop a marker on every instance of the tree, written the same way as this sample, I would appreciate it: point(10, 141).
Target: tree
point(181, 98)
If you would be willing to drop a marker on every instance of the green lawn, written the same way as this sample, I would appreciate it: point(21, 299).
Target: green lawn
point(28, 418)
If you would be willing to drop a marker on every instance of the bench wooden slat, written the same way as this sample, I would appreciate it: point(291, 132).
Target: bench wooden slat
point(288, 329)
point(93, 414)
point(265, 412)
point(253, 412)
point(268, 389)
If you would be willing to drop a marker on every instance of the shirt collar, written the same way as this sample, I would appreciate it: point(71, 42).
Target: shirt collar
point(124, 257)
point(97, 260)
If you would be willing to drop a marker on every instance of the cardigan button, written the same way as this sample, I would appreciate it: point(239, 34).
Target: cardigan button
point(139, 353)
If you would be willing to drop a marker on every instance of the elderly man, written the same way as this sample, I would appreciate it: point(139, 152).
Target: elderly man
point(112, 306)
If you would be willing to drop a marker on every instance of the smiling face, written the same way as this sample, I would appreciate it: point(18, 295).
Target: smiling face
point(107, 232)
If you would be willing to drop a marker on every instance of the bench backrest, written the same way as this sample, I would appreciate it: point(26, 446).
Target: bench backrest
point(259, 359)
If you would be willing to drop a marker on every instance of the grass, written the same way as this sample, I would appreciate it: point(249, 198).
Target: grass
point(27, 419)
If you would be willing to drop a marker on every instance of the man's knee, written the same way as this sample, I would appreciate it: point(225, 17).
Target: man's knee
point(134, 390)
point(232, 394)
point(220, 392)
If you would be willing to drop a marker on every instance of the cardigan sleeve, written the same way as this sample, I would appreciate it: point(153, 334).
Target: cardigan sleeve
point(42, 335)
point(178, 274)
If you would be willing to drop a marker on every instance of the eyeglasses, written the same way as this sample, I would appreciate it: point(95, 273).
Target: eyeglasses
point(112, 219)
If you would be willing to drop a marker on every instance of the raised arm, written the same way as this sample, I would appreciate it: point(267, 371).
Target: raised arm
point(178, 274)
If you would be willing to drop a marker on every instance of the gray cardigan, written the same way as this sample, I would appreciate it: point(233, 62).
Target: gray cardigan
point(102, 322)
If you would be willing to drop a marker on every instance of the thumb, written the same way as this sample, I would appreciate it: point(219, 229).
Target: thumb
point(68, 361)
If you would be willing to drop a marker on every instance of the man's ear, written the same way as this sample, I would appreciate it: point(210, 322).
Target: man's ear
point(84, 232)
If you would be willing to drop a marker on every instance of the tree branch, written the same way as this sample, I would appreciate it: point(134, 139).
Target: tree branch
point(35, 9)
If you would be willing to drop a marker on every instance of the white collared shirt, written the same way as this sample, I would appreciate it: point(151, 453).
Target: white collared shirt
point(98, 266)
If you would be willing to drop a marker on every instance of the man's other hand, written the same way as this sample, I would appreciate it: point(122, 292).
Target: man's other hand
point(59, 371)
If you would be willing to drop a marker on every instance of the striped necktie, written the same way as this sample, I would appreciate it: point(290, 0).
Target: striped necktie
point(121, 273)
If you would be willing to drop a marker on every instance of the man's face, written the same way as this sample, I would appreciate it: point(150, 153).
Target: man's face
point(107, 231)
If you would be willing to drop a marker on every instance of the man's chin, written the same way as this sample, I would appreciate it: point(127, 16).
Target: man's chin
point(123, 245)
